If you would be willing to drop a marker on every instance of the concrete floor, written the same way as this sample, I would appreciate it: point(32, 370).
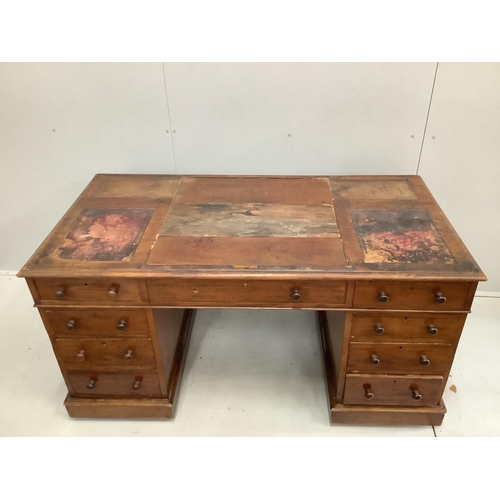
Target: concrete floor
point(248, 373)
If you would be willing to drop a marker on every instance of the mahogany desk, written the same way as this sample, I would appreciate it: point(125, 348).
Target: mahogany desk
point(118, 280)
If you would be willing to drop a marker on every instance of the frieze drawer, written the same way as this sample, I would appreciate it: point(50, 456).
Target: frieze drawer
point(233, 293)
point(88, 290)
point(411, 296)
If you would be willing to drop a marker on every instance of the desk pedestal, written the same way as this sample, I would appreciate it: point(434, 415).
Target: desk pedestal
point(150, 408)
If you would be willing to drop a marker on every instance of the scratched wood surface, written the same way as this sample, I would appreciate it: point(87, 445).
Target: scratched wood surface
point(346, 226)
point(284, 190)
point(249, 253)
point(391, 189)
point(147, 186)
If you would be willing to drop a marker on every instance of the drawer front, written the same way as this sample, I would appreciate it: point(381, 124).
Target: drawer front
point(399, 358)
point(82, 354)
point(133, 384)
point(272, 293)
point(372, 327)
point(392, 391)
point(76, 290)
point(97, 322)
point(411, 295)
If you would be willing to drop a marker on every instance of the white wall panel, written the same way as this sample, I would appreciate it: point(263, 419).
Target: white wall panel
point(60, 124)
point(347, 118)
point(461, 157)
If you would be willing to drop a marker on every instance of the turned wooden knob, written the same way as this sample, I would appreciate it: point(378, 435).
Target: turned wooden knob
point(136, 385)
point(71, 325)
point(383, 297)
point(374, 359)
point(91, 384)
point(432, 330)
point(296, 294)
point(379, 329)
point(113, 291)
point(368, 391)
point(440, 298)
point(416, 395)
point(122, 324)
point(129, 355)
point(424, 360)
point(60, 292)
point(80, 355)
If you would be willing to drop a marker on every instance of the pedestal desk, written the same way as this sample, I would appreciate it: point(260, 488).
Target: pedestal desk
point(117, 283)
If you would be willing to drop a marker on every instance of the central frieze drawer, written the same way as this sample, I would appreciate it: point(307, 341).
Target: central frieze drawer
point(399, 358)
point(411, 295)
point(80, 354)
point(263, 293)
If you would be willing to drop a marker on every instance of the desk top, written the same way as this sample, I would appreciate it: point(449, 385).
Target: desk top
point(359, 227)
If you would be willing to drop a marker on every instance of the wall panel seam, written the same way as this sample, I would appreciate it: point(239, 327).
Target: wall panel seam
point(427, 118)
point(168, 114)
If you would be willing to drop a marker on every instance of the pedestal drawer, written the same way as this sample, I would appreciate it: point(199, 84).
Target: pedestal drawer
point(390, 390)
point(97, 322)
point(81, 354)
point(95, 383)
point(380, 327)
point(411, 295)
point(399, 358)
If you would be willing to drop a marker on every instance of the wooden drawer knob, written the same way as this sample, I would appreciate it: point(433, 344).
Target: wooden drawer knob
point(416, 395)
point(122, 324)
point(91, 384)
point(113, 291)
point(383, 297)
point(129, 355)
point(374, 359)
point(136, 385)
point(60, 292)
point(379, 329)
point(432, 330)
point(80, 355)
point(368, 391)
point(296, 295)
point(424, 360)
point(71, 325)
point(440, 298)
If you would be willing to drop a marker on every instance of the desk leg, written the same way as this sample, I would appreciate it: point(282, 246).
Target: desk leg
point(368, 415)
point(173, 361)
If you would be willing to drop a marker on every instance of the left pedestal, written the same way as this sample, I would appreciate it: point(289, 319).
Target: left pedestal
point(120, 363)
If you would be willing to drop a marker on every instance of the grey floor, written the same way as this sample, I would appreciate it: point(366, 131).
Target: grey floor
point(248, 373)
